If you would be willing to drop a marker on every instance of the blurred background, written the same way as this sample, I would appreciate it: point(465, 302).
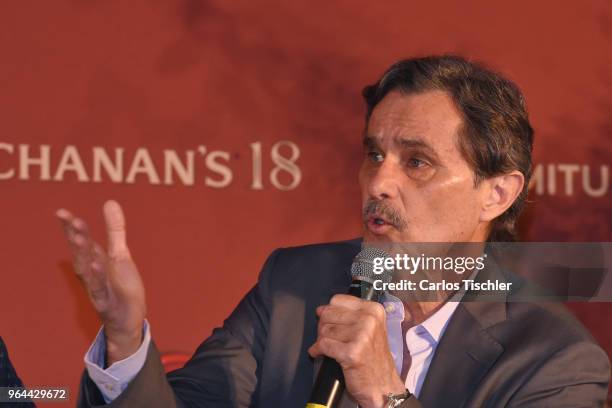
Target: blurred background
point(229, 128)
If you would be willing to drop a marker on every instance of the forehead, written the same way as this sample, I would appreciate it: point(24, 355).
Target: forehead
point(431, 117)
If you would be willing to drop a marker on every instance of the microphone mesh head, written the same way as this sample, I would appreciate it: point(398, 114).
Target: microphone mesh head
point(363, 265)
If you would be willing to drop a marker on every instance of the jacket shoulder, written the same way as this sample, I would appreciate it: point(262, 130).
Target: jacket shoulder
point(319, 252)
point(314, 265)
point(548, 320)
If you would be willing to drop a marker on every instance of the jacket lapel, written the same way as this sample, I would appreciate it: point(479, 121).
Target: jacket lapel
point(463, 357)
point(466, 351)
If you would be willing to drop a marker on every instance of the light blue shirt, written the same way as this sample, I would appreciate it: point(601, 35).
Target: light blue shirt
point(421, 340)
point(113, 380)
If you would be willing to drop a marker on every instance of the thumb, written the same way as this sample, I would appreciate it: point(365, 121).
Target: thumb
point(115, 228)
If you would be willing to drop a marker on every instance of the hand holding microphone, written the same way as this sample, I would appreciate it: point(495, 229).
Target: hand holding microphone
point(352, 331)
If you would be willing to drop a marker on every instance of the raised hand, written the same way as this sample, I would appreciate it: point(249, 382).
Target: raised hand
point(110, 278)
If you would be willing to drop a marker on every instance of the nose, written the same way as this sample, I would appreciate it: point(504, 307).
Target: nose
point(383, 181)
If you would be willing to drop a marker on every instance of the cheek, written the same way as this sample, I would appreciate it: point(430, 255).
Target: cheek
point(445, 209)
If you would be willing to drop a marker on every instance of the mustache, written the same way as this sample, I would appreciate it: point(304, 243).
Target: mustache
point(377, 207)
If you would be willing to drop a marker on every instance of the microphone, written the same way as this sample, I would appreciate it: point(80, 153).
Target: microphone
point(329, 385)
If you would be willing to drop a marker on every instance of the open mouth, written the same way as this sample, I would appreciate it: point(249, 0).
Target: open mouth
point(378, 221)
point(378, 224)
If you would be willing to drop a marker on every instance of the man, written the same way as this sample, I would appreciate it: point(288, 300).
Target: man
point(447, 158)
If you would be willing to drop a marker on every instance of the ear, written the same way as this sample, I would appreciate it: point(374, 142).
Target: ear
point(499, 194)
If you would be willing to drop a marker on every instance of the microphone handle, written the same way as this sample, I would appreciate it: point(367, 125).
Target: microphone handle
point(329, 385)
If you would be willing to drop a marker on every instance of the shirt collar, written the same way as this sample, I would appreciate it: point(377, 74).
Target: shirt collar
point(437, 322)
point(434, 324)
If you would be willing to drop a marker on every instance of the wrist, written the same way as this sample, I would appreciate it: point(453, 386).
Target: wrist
point(379, 399)
point(121, 345)
point(397, 400)
point(395, 387)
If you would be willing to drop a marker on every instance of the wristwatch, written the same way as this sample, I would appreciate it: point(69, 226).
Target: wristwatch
point(395, 400)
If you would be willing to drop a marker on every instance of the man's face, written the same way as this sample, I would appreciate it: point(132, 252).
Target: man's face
point(416, 186)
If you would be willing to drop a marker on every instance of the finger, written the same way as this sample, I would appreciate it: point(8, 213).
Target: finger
point(98, 267)
point(63, 214)
point(93, 271)
point(78, 238)
point(99, 254)
point(65, 218)
point(85, 251)
point(79, 228)
point(374, 309)
point(80, 253)
point(71, 225)
point(90, 263)
point(348, 301)
point(327, 347)
point(89, 259)
point(83, 242)
point(96, 285)
point(340, 332)
point(115, 228)
point(338, 315)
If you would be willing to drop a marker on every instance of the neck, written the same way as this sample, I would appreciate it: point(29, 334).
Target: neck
point(416, 313)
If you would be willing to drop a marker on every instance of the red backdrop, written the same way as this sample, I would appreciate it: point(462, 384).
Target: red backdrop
point(217, 84)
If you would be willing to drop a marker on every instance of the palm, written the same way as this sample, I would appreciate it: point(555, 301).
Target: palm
point(110, 277)
point(124, 304)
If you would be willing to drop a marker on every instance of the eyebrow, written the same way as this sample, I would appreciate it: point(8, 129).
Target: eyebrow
point(405, 143)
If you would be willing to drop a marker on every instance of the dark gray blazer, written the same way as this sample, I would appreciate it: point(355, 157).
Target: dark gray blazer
point(493, 354)
point(9, 378)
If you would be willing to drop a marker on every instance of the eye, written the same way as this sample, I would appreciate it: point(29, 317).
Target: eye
point(375, 156)
point(415, 163)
